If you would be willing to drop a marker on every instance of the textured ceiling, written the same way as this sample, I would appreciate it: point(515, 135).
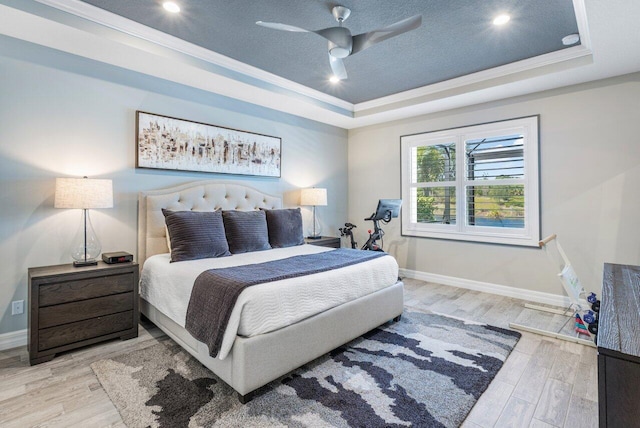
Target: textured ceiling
point(456, 37)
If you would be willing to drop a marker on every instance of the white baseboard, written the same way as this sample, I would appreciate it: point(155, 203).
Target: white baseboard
point(486, 287)
point(13, 339)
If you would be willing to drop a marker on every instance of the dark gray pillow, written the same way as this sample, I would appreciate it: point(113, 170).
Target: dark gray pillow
point(196, 235)
point(285, 227)
point(246, 231)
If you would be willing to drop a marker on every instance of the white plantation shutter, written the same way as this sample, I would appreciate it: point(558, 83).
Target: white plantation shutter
point(477, 183)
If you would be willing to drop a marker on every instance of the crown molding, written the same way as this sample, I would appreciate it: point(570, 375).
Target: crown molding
point(491, 74)
point(102, 36)
point(135, 29)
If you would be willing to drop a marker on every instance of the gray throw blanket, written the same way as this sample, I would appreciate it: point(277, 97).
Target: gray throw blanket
point(215, 291)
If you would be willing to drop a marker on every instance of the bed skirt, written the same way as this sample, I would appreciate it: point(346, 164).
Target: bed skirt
point(256, 361)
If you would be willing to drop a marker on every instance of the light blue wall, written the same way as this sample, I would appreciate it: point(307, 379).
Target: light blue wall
point(65, 116)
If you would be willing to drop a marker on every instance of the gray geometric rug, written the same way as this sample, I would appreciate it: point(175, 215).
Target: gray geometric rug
point(427, 370)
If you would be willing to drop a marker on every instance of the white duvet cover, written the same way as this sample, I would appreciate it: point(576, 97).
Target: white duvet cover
point(264, 307)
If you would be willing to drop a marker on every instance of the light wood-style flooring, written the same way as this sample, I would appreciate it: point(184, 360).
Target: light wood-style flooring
point(544, 383)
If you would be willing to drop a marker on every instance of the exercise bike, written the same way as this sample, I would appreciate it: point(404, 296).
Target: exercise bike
point(387, 209)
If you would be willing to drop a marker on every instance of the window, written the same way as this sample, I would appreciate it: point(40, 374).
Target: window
point(477, 183)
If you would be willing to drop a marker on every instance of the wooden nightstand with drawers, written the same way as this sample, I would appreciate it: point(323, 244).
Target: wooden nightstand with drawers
point(72, 307)
point(324, 241)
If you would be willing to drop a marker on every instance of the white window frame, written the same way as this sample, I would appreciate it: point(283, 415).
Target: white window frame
point(527, 236)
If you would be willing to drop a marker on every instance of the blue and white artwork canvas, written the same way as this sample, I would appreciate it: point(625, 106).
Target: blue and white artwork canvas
point(182, 145)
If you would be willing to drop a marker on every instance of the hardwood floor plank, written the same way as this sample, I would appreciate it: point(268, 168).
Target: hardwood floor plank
point(531, 383)
point(535, 423)
point(554, 402)
point(534, 318)
point(7, 392)
point(503, 312)
point(528, 343)
point(565, 367)
point(545, 353)
point(32, 401)
point(94, 413)
point(469, 424)
point(514, 366)
point(589, 355)
point(586, 382)
point(473, 307)
point(582, 413)
point(488, 408)
point(517, 413)
point(35, 417)
point(573, 348)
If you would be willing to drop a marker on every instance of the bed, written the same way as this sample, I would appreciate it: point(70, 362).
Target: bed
point(253, 360)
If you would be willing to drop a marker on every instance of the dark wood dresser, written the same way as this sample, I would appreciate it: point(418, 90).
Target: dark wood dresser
point(619, 347)
point(71, 307)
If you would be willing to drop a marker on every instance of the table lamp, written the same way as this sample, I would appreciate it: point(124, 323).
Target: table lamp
point(314, 197)
point(84, 193)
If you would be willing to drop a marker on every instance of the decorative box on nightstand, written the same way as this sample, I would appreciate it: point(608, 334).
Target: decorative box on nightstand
point(71, 307)
point(324, 241)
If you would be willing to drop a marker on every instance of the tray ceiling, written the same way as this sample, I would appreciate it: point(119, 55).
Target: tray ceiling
point(457, 37)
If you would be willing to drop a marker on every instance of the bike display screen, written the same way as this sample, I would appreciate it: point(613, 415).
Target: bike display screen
point(386, 206)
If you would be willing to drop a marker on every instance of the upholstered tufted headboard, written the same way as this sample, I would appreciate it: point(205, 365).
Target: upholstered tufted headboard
point(195, 196)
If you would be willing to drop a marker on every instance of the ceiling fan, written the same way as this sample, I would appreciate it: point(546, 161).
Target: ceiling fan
point(342, 43)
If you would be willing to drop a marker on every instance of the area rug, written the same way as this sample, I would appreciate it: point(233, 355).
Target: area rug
point(427, 370)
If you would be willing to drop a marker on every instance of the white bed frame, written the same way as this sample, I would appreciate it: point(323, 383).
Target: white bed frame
point(255, 361)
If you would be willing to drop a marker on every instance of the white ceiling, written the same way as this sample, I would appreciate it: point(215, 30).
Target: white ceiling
point(610, 47)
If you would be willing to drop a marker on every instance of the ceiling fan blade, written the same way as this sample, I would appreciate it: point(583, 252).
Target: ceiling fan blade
point(337, 66)
point(365, 40)
point(341, 36)
point(283, 27)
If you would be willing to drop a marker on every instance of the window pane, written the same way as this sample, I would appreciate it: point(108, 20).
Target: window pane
point(435, 163)
point(436, 205)
point(495, 158)
point(496, 206)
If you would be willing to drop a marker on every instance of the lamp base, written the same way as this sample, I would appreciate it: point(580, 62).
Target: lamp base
point(83, 263)
point(314, 237)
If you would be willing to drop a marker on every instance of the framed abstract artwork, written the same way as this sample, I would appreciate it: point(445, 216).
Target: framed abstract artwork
point(169, 143)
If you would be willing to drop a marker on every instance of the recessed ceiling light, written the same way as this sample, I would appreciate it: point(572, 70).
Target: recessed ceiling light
point(571, 39)
point(501, 19)
point(334, 79)
point(171, 7)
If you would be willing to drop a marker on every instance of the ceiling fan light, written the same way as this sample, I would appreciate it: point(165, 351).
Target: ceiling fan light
point(334, 79)
point(501, 19)
point(338, 52)
point(170, 6)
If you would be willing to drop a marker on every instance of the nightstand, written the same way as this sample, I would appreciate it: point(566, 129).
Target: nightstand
point(71, 307)
point(324, 241)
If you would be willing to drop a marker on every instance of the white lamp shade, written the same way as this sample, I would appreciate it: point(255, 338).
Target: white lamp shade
point(314, 196)
point(83, 193)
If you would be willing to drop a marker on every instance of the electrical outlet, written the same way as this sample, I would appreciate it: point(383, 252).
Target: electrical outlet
point(17, 307)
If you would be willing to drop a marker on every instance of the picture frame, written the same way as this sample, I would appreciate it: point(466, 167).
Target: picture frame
point(169, 143)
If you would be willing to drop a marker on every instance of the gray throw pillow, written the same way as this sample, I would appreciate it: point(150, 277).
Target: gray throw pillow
point(196, 235)
point(246, 231)
point(285, 227)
